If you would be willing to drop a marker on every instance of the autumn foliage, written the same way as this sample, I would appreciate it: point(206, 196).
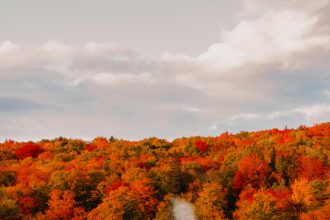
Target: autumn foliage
point(28, 149)
point(251, 170)
point(271, 174)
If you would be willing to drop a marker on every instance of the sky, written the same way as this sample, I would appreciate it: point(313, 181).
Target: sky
point(137, 69)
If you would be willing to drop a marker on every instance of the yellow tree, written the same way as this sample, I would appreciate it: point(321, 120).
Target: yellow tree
point(127, 202)
point(62, 206)
point(262, 206)
point(302, 194)
point(211, 202)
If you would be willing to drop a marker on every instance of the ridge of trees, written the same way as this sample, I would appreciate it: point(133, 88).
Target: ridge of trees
point(270, 174)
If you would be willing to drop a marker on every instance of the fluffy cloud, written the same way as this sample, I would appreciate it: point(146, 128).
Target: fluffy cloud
point(271, 38)
point(270, 70)
point(313, 112)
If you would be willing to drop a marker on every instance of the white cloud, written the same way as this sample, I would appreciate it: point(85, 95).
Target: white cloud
point(184, 108)
point(309, 113)
point(54, 47)
point(7, 47)
point(244, 116)
point(326, 92)
point(112, 79)
point(258, 7)
point(273, 38)
point(103, 49)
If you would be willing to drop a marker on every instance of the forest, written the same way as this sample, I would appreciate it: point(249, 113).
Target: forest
point(269, 174)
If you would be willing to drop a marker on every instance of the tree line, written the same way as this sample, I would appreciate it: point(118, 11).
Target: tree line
point(270, 174)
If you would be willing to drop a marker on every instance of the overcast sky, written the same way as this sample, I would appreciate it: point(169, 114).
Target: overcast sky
point(135, 69)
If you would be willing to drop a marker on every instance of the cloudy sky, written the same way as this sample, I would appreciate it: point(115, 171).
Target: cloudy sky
point(135, 69)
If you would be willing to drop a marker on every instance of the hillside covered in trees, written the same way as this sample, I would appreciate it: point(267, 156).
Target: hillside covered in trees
point(271, 174)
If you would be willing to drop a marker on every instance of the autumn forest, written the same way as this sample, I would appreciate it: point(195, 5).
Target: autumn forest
point(270, 174)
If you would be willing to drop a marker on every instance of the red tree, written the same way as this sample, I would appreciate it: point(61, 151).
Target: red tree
point(202, 146)
point(311, 168)
point(28, 149)
point(251, 170)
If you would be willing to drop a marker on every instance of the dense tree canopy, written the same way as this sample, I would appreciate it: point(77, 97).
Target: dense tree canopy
point(271, 174)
